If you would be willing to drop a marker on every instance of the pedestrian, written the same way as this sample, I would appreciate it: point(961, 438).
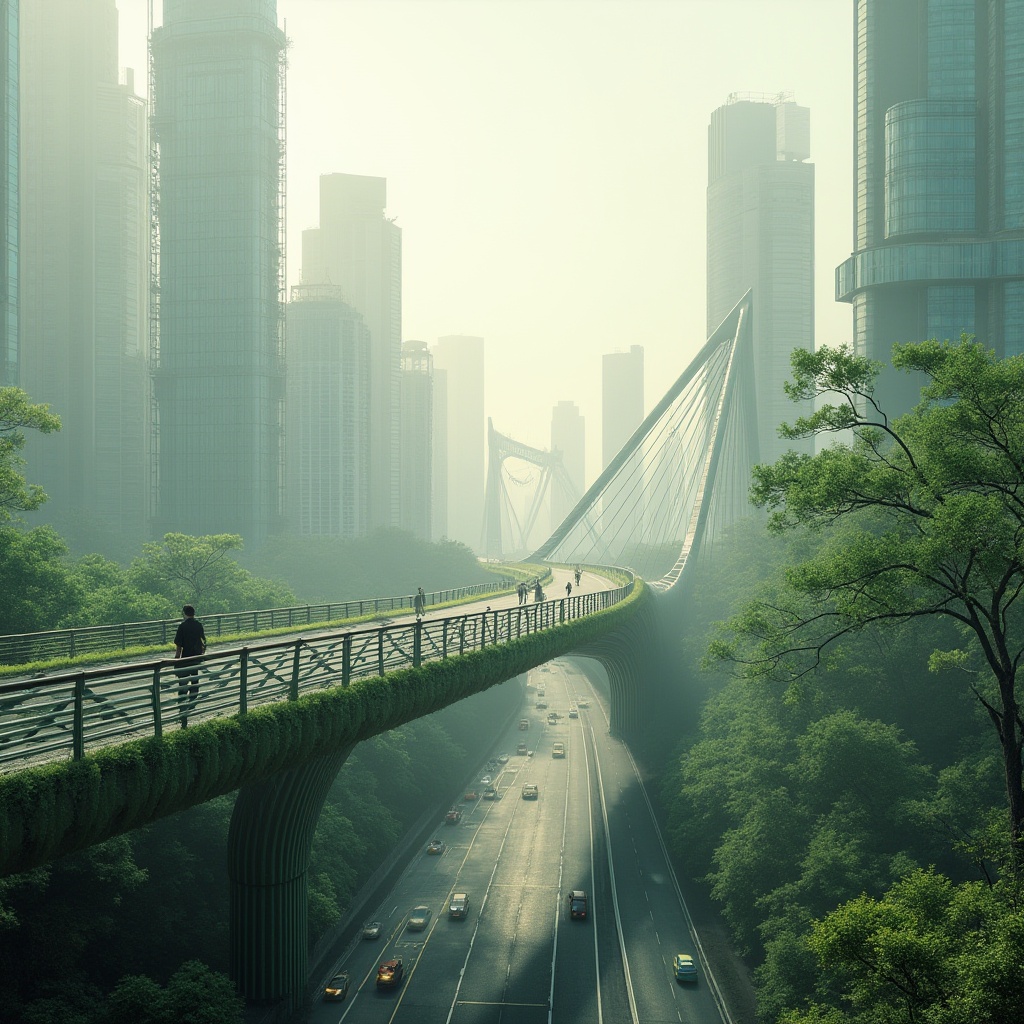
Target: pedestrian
point(189, 646)
point(568, 588)
point(578, 575)
point(419, 602)
point(538, 593)
point(522, 593)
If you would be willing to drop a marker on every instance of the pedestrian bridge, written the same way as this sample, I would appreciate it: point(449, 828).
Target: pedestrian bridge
point(91, 754)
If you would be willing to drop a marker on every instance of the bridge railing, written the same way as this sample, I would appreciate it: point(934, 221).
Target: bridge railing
point(22, 648)
point(67, 715)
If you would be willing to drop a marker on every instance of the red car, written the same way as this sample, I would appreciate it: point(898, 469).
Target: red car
point(453, 817)
point(471, 794)
point(390, 973)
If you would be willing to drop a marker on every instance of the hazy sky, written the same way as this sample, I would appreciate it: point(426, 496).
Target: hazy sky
point(547, 162)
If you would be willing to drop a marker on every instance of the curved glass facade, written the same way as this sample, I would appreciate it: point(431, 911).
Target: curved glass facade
point(929, 167)
point(939, 172)
point(8, 192)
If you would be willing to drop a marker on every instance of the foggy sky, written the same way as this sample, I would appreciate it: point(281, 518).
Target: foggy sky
point(547, 162)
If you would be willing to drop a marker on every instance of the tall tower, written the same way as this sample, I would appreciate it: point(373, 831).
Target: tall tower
point(462, 359)
point(327, 436)
point(8, 192)
point(360, 249)
point(568, 436)
point(417, 420)
point(760, 205)
point(219, 373)
point(938, 179)
point(84, 271)
point(622, 411)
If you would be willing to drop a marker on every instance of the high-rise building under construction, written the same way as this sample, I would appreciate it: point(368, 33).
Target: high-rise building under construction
point(218, 121)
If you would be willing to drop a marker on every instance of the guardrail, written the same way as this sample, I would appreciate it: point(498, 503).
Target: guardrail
point(52, 717)
point(22, 648)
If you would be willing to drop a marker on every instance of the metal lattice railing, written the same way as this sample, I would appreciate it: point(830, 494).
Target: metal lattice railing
point(22, 648)
point(55, 717)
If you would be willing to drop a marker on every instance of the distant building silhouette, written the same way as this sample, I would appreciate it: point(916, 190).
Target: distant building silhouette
point(9, 155)
point(462, 359)
point(439, 456)
point(84, 259)
point(327, 446)
point(760, 206)
point(219, 377)
point(938, 179)
point(622, 411)
point(417, 423)
point(358, 248)
point(568, 436)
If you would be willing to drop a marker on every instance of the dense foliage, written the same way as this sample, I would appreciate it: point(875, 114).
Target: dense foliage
point(136, 929)
point(842, 793)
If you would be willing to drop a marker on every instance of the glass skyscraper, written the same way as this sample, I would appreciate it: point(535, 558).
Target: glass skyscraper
point(938, 179)
point(8, 192)
point(219, 364)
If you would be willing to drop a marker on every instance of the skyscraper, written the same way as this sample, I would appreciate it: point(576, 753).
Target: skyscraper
point(417, 420)
point(622, 399)
point(8, 192)
point(219, 374)
point(568, 436)
point(462, 359)
point(84, 259)
point(439, 457)
point(357, 247)
point(327, 440)
point(761, 238)
point(622, 411)
point(938, 179)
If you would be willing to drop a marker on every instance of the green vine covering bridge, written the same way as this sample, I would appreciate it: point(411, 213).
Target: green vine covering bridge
point(89, 754)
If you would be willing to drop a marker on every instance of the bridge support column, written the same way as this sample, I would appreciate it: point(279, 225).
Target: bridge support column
point(269, 843)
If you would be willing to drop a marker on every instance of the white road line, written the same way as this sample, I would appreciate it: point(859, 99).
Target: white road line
point(611, 871)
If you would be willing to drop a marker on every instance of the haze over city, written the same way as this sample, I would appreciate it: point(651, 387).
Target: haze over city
point(547, 163)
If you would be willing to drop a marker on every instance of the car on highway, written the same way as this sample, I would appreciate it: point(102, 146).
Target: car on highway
point(453, 817)
point(390, 973)
point(521, 749)
point(337, 988)
point(583, 703)
point(541, 705)
point(558, 750)
point(458, 906)
point(435, 847)
point(577, 902)
point(372, 930)
point(418, 919)
point(471, 794)
point(684, 967)
point(540, 692)
point(573, 713)
point(553, 717)
point(530, 791)
point(503, 759)
point(490, 793)
point(524, 724)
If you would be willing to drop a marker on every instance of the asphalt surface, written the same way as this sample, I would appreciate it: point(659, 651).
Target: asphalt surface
point(517, 958)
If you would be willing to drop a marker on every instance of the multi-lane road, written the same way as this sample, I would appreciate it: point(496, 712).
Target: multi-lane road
point(517, 957)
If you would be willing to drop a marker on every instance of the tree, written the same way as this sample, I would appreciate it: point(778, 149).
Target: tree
point(202, 571)
point(39, 588)
point(926, 519)
point(17, 414)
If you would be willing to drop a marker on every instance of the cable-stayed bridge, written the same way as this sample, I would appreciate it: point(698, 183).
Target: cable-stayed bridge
point(94, 753)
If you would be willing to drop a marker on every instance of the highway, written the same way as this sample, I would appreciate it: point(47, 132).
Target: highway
point(517, 958)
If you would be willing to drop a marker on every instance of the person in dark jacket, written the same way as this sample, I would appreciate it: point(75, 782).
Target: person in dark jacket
point(189, 646)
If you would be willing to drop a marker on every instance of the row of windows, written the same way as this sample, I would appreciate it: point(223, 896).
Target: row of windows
point(930, 261)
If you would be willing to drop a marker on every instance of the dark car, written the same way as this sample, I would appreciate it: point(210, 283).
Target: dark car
point(390, 973)
point(337, 988)
point(577, 905)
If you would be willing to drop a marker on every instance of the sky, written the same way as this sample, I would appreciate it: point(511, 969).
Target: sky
point(547, 163)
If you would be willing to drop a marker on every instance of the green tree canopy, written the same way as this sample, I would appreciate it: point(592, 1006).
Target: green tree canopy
point(16, 415)
point(924, 517)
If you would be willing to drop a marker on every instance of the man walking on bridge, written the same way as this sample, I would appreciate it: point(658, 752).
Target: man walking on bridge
point(190, 644)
